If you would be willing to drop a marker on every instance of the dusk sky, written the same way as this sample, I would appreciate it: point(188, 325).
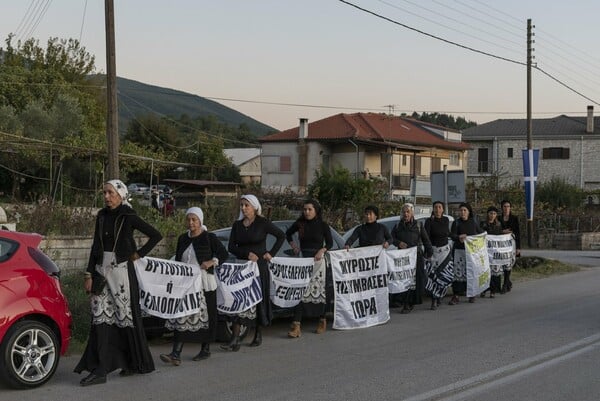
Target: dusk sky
point(335, 58)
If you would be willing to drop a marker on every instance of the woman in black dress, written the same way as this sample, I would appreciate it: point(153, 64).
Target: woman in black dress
point(117, 339)
point(510, 225)
point(315, 239)
point(406, 234)
point(493, 227)
point(197, 247)
point(248, 241)
point(371, 232)
point(462, 227)
point(438, 231)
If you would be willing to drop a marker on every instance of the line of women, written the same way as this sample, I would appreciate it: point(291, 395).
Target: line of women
point(117, 341)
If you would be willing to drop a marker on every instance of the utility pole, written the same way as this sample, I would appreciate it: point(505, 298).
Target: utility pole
point(112, 123)
point(529, 123)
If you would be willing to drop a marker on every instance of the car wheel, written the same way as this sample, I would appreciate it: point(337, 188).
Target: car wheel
point(29, 354)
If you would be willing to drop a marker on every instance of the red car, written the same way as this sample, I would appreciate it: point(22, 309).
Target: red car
point(35, 321)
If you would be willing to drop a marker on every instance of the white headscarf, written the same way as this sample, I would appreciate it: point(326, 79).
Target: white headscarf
point(252, 200)
point(198, 213)
point(121, 189)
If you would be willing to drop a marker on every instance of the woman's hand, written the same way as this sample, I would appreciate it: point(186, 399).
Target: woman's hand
point(462, 237)
point(252, 257)
point(319, 255)
point(267, 256)
point(386, 245)
point(135, 256)
point(295, 248)
point(207, 264)
point(402, 245)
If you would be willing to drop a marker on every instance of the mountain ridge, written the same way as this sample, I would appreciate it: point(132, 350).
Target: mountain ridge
point(137, 98)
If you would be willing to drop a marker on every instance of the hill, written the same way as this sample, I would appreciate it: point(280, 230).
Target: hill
point(137, 98)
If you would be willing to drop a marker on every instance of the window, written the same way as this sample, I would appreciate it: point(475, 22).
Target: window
point(285, 164)
point(509, 153)
point(454, 159)
point(482, 160)
point(555, 153)
point(404, 160)
point(436, 164)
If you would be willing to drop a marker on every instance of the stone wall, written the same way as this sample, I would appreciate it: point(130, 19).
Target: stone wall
point(576, 241)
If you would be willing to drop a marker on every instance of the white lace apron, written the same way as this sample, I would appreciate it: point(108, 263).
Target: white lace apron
point(113, 305)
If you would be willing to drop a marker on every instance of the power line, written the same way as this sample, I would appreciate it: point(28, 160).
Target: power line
point(448, 27)
point(431, 35)
point(468, 48)
point(82, 21)
point(23, 18)
point(38, 19)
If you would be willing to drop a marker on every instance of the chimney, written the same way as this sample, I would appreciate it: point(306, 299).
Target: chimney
point(590, 120)
point(303, 132)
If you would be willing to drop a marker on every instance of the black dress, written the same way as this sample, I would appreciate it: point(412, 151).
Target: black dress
point(413, 234)
point(313, 235)
point(369, 234)
point(204, 247)
point(117, 340)
point(253, 238)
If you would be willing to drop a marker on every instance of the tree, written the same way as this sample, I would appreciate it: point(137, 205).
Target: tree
point(338, 191)
point(56, 109)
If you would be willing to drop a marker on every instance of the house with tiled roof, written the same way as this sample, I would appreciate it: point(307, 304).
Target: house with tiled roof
point(400, 150)
point(569, 149)
point(248, 161)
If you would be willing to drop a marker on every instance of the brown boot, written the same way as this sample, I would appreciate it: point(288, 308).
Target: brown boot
point(322, 326)
point(295, 331)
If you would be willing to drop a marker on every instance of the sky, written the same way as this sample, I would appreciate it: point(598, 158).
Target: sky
point(280, 60)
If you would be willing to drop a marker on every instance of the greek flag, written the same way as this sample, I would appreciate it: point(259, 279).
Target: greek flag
point(530, 169)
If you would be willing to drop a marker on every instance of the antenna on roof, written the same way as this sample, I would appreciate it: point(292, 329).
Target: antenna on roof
point(390, 108)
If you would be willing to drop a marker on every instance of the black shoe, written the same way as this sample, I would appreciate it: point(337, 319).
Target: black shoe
point(174, 360)
point(257, 341)
point(233, 345)
point(203, 354)
point(126, 372)
point(92, 379)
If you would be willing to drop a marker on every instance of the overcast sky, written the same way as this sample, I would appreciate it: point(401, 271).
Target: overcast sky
point(336, 58)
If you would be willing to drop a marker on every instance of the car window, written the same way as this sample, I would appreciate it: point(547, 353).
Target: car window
point(7, 249)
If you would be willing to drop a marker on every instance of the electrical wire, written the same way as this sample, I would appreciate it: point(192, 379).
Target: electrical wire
point(82, 20)
point(450, 42)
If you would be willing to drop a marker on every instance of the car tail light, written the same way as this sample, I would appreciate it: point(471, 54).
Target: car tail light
point(44, 262)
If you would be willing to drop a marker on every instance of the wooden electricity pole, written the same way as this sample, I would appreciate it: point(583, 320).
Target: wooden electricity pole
point(529, 123)
point(112, 123)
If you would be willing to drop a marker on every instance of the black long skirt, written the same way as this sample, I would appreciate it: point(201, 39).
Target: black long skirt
point(110, 347)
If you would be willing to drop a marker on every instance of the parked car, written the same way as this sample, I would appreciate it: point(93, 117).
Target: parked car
point(138, 189)
point(35, 321)
point(391, 221)
point(155, 326)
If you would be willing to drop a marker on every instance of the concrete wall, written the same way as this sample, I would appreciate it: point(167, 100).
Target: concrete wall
point(71, 253)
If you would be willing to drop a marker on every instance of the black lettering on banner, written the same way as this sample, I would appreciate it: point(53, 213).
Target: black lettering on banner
point(360, 265)
point(364, 307)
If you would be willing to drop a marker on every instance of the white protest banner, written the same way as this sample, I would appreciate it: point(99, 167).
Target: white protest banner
point(238, 287)
point(290, 278)
point(402, 269)
point(502, 252)
point(361, 291)
point(169, 289)
point(439, 271)
point(478, 264)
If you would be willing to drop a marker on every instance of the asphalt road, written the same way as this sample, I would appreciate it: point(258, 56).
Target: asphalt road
point(539, 342)
point(581, 258)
